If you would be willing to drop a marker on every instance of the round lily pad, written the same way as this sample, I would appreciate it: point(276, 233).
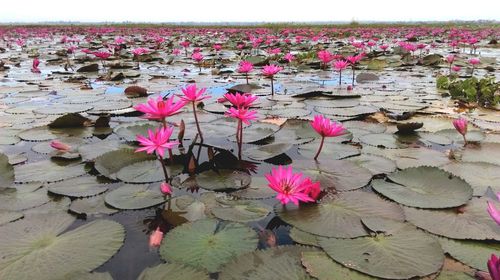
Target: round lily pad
point(90, 152)
point(91, 206)
point(78, 187)
point(240, 210)
point(329, 150)
point(173, 271)
point(223, 179)
point(471, 136)
point(7, 216)
point(376, 164)
point(186, 208)
point(424, 187)
point(382, 140)
point(6, 172)
point(486, 152)
point(60, 109)
point(322, 267)
point(347, 112)
point(33, 247)
point(259, 131)
point(17, 200)
point(258, 189)
point(110, 163)
point(282, 261)
point(470, 221)
point(268, 151)
point(340, 216)
point(404, 254)
point(47, 171)
point(340, 175)
point(208, 243)
point(472, 253)
point(147, 171)
point(129, 131)
point(137, 196)
point(303, 237)
point(480, 175)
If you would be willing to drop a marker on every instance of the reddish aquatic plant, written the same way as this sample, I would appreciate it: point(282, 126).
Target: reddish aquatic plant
point(198, 57)
point(326, 128)
point(155, 238)
point(159, 109)
point(34, 66)
point(326, 57)
point(269, 71)
point(460, 125)
point(474, 61)
point(291, 187)
point(192, 95)
point(245, 67)
point(157, 141)
point(339, 66)
point(60, 146)
point(494, 267)
point(493, 211)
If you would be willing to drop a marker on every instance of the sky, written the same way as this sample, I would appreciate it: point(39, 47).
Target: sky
point(246, 11)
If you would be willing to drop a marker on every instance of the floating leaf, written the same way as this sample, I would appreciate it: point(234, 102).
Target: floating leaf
point(340, 216)
point(467, 222)
point(340, 175)
point(108, 165)
point(129, 131)
point(173, 271)
point(303, 237)
point(259, 131)
point(240, 210)
point(6, 172)
point(33, 247)
point(7, 216)
point(425, 187)
point(472, 253)
point(223, 180)
point(210, 243)
point(47, 171)
point(137, 196)
point(282, 262)
point(258, 189)
point(404, 254)
point(479, 175)
point(322, 267)
point(91, 206)
point(268, 151)
point(90, 152)
point(329, 150)
point(147, 171)
point(78, 187)
point(487, 152)
point(376, 164)
point(16, 200)
point(382, 140)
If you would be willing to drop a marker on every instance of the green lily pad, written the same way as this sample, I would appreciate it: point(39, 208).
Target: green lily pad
point(471, 221)
point(16, 200)
point(282, 262)
point(259, 131)
point(472, 253)
point(7, 216)
point(129, 131)
point(91, 206)
point(258, 189)
point(411, 157)
point(382, 140)
point(223, 179)
point(479, 175)
point(340, 175)
point(404, 254)
point(147, 171)
point(173, 271)
point(186, 208)
point(6, 172)
point(376, 164)
point(347, 112)
point(60, 109)
point(340, 216)
point(137, 196)
point(240, 210)
point(487, 152)
point(329, 150)
point(303, 237)
point(108, 165)
point(424, 187)
point(78, 187)
point(47, 171)
point(88, 276)
point(322, 267)
point(268, 151)
point(454, 275)
point(90, 152)
point(33, 247)
point(211, 243)
point(55, 206)
point(471, 136)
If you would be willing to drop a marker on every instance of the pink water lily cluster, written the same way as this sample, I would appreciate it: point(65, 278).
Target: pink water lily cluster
point(240, 110)
point(292, 187)
point(270, 71)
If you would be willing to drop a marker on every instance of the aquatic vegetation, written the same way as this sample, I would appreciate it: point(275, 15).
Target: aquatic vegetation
point(270, 71)
point(291, 187)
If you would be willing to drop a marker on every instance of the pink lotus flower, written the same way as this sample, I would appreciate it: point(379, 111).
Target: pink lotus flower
point(384, 47)
point(34, 66)
point(326, 128)
point(456, 68)
point(340, 65)
point(165, 188)
point(217, 47)
point(157, 141)
point(325, 57)
point(176, 51)
point(461, 126)
point(494, 267)
point(60, 146)
point(474, 61)
point(269, 71)
point(160, 109)
point(291, 186)
point(243, 114)
point(493, 211)
point(289, 57)
point(185, 44)
point(139, 51)
point(198, 57)
point(192, 95)
point(238, 100)
point(245, 67)
point(102, 55)
point(450, 58)
point(155, 238)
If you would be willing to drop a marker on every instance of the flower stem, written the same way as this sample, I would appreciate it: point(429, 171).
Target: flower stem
point(240, 142)
point(465, 140)
point(197, 124)
point(340, 78)
point(170, 155)
point(165, 172)
point(353, 71)
point(246, 76)
point(272, 87)
point(320, 147)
